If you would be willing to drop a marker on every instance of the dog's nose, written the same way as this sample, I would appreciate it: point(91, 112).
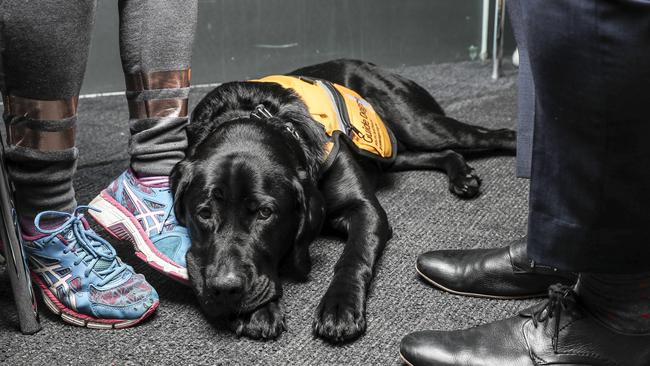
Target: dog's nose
point(229, 284)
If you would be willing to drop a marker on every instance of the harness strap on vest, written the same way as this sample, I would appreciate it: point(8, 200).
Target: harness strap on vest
point(342, 113)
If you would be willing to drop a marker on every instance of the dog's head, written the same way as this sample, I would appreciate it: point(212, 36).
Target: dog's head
point(251, 205)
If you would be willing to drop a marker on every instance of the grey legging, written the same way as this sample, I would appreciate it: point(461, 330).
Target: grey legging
point(44, 47)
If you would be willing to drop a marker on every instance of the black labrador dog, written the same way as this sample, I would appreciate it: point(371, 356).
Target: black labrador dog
point(253, 193)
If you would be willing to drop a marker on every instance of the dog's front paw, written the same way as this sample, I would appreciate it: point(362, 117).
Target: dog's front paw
point(465, 185)
point(264, 323)
point(339, 317)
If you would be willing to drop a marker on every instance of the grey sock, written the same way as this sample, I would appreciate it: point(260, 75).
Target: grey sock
point(43, 180)
point(158, 117)
point(157, 144)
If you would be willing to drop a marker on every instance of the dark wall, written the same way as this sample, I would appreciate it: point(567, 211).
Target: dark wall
point(237, 39)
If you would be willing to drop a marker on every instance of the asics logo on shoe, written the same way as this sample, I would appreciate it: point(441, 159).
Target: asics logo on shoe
point(57, 278)
point(149, 219)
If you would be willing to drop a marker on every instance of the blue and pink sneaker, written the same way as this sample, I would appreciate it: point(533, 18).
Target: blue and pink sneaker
point(81, 278)
point(140, 210)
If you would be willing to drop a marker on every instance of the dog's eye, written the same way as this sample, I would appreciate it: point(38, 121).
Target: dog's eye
point(205, 213)
point(264, 213)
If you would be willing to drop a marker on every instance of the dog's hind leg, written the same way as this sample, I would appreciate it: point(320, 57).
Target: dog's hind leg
point(435, 132)
point(462, 180)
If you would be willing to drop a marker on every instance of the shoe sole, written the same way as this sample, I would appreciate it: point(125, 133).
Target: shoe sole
point(72, 317)
point(405, 360)
point(472, 294)
point(122, 225)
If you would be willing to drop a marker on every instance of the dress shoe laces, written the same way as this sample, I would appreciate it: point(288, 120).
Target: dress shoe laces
point(560, 298)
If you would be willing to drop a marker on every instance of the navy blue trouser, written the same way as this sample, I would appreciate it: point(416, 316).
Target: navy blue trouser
point(590, 152)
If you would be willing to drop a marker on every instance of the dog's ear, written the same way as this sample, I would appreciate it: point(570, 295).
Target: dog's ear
point(310, 205)
point(201, 121)
point(180, 178)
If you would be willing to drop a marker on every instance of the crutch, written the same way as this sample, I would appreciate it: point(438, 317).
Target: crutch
point(497, 41)
point(16, 260)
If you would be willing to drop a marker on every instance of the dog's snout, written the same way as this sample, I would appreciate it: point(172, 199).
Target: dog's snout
point(228, 284)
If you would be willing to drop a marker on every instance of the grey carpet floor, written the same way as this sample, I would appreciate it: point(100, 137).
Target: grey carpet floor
point(424, 216)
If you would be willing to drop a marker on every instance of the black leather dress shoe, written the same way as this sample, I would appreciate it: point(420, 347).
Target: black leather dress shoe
point(555, 332)
point(501, 273)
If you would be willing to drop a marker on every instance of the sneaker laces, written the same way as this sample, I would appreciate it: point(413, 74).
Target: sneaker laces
point(95, 248)
point(560, 298)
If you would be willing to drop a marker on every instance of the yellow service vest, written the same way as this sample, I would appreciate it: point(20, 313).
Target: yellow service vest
point(341, 111)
